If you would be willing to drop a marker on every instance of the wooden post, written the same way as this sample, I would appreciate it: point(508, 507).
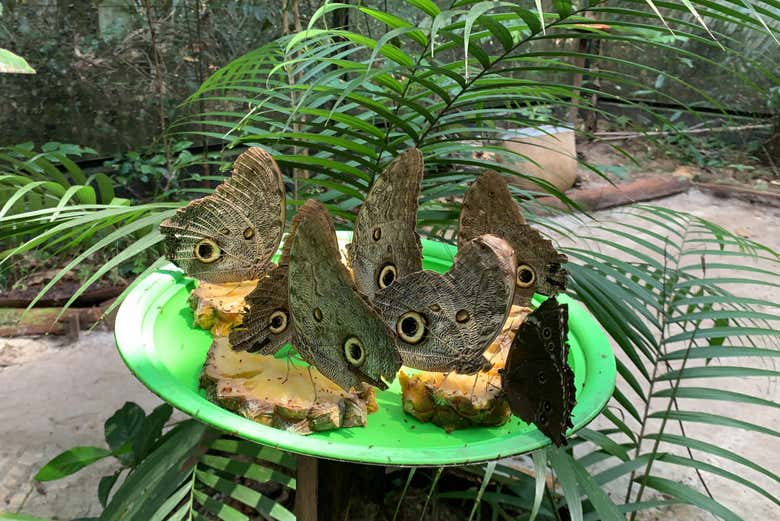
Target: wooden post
point(306, 492)
point(334, 490)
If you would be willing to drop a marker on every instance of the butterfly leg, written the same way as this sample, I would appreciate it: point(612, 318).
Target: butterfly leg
point(288, 363)
point(313, 385)
point(443, 380)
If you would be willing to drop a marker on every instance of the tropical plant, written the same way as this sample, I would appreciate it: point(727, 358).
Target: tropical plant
point(178, 474)
point(335, 106)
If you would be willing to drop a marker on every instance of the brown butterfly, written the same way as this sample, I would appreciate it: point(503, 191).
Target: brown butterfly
point(335, 330)
point(446, 321)
point(266, 325)
point(384, 244)
point(537, 379)
point(232, 234)
point(488, 207)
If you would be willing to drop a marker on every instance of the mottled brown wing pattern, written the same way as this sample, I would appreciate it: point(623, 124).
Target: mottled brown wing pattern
point(385, 245)
point(488, 207)
point(446, 321)
point(335, 329)
point(537, 380)
point(267, 325)
point(232, 234)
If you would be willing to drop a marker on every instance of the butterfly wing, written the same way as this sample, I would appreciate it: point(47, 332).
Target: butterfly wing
point(488, 207)
point(446, 321)
point(537, 380)
point(335, 330)
point(231, 234)
point(267, 325)
point(384, 244)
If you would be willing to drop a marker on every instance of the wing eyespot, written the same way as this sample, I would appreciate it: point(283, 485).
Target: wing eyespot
point(207, 251)
point(278, 322)
point(354, 351)
point(411, 327)
point(462, 316)
point(387, 275)
point(526, 276)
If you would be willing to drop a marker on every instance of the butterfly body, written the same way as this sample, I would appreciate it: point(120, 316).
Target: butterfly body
point(537, 380)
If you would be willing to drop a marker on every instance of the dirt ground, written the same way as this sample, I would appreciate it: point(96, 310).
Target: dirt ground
point(56, 396)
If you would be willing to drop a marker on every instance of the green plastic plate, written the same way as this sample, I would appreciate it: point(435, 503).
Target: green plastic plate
point(158, 342)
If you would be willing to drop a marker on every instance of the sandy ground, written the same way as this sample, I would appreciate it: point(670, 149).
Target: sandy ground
point(58, 396)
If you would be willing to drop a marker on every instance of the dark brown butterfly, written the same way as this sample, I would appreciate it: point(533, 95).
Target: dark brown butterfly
point(385, 245)
point(335, 328)
point(232, 234)
point(488, 207)
point(537, 379)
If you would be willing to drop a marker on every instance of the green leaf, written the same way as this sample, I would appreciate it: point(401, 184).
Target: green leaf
point(160, 474)
point(687, 495)
point(489, 469)
point(714, 469)
point(605, 507)
point(105, 486)
point(122, 428)
point(427, 6)
point(71, 461)
point(540, 481)
point(562, 7)
point(720, 371)
point(11, 63)
point(247, 496)
point(715, 450)
point(714, 419)
point(707, 393)
point(563, 466)
point(151, 430)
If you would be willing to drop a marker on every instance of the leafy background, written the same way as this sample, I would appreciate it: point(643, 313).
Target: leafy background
point(335, 103)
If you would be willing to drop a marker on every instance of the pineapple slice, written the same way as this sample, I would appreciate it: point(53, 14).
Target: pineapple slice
point(280, 394)
point(219, 307)
point(455, 401)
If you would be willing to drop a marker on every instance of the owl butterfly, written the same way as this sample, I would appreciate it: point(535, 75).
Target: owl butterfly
point(537, 379)
point(488, 207)
point(335, 330)
point(266, 325)
point(232, 234)
point(445, 322)
point(384, 244)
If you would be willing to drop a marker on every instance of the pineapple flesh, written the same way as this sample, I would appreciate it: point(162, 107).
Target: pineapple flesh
point(455, 401)
point(219, 307)
point(271, 391)
point(279, 393)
